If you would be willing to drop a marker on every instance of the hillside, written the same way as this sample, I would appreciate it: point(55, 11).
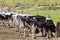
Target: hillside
point(29, 3)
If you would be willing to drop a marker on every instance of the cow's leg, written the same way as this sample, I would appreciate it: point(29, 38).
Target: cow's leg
point(25, 32)
point(21, 26)
point(8, 21)
point(4, 23)
point(17, 23)
point(13, 24)
point(44, 32)
point(33, 32)
point(17, 28)
point(49, 34)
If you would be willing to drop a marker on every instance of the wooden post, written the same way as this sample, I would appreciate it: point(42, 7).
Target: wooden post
point(58, 29)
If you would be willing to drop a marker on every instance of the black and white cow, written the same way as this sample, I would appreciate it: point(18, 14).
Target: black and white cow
point(36, 20)
point(39, 21)
point(19, 20)
point(5, 16)
point(46, 24)
point(42, 23)
point(50, 27)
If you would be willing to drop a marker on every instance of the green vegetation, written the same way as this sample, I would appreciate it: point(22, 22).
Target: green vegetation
point(55, 14)
point(29, 2)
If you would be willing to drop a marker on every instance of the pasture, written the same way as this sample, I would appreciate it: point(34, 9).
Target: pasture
point(55, 14)
point(29, 3)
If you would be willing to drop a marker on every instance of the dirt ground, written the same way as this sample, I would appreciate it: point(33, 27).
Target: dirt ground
point(11, 34)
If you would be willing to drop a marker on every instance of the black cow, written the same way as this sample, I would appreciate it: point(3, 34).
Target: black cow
point(49, 25)
point(46, 24)
point(42, 23)
point(36, 20)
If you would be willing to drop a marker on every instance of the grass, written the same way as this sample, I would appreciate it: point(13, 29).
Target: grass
point(55, 14)
point(29, 2)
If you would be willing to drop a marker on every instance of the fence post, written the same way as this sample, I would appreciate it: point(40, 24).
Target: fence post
point(58, 29)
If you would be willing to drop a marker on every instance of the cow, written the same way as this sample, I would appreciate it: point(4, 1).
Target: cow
point(43, 23)
point(18, 20)
point(37, 20)
point(6, 17)
point(49, 27)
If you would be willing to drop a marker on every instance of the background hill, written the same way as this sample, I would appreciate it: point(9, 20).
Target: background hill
point(29, 2)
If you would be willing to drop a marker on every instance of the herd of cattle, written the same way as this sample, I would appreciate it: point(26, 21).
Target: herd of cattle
point(32, 23)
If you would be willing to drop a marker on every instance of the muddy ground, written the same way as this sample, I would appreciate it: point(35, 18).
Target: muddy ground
point(11, 34)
